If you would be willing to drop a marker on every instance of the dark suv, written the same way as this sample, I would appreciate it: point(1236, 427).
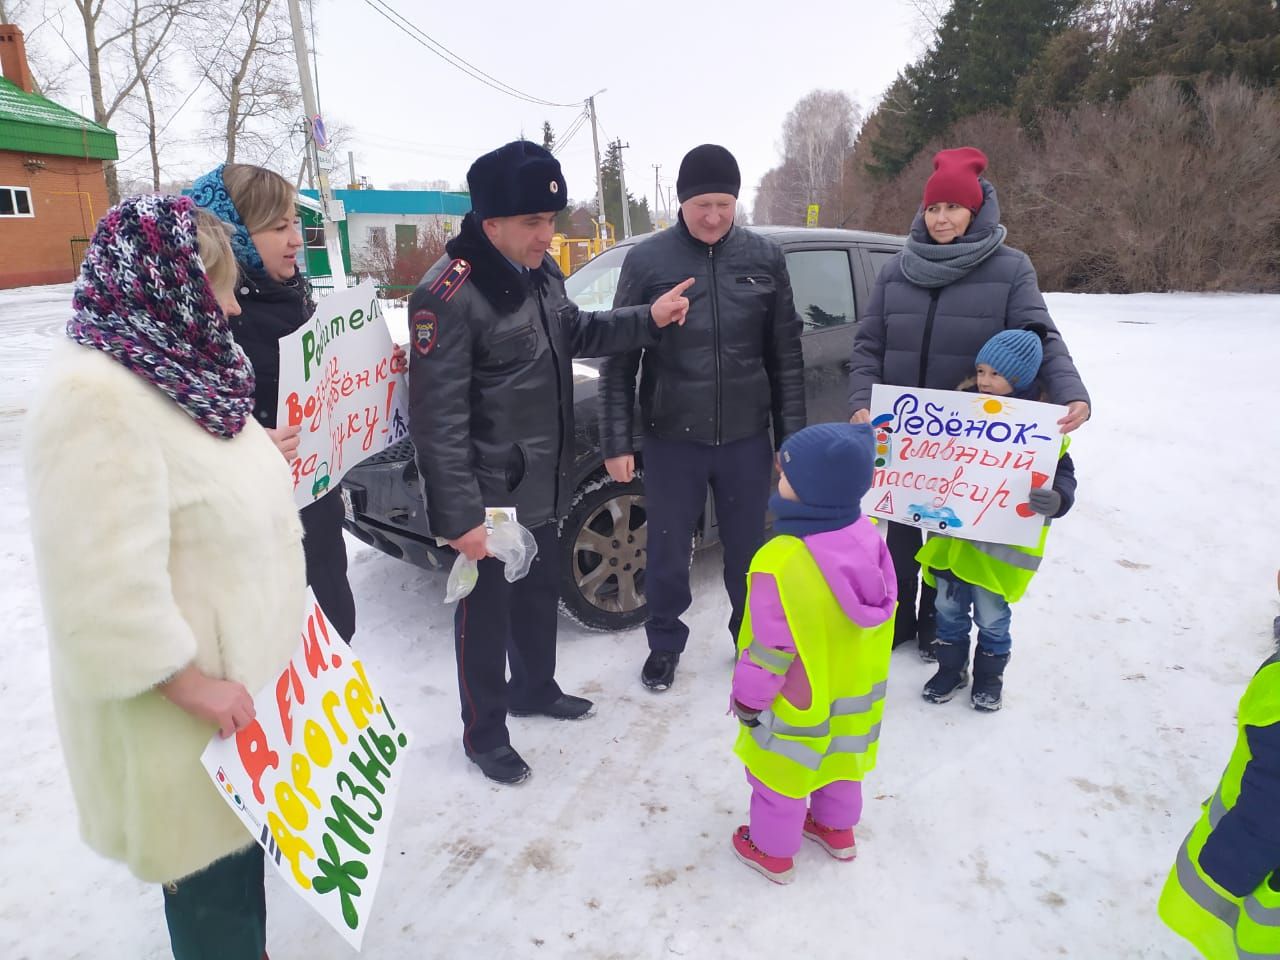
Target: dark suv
point(602, 541)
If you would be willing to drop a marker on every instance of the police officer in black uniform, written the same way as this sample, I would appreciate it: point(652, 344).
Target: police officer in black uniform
point(491, 416)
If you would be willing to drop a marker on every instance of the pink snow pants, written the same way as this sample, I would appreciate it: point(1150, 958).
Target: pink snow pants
point(777, 822)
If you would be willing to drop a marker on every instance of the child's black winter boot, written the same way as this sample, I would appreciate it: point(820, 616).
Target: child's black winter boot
point(988, 680)
point(953, 673)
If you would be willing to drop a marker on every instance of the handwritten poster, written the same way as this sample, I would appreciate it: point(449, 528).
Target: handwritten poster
point(962, 464)
point(314, 778)
point(342, 384)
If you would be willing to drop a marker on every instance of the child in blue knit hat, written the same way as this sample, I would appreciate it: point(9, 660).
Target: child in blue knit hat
point(813, 653)
point(977, 581)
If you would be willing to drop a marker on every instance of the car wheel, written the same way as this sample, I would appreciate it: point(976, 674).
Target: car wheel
point(915, 517)
point(603, 555)
point(942, 524)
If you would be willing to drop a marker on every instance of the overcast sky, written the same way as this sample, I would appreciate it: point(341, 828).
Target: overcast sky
point(676, 74)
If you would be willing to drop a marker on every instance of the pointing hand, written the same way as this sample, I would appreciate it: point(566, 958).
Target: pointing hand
point(672, 306)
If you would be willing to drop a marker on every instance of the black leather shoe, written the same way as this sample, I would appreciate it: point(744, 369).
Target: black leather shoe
point(563, 707)
point(501, 765)
point(659, 671)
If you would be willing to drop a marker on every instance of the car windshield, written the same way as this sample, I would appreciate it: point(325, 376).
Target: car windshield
point(593, 286)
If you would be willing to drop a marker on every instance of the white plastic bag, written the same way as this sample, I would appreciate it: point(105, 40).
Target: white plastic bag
point(509, 542)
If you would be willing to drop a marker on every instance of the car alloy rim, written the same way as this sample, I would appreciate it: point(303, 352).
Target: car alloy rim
point(609, 555)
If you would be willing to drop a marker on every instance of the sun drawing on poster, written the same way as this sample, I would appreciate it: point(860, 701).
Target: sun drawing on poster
point(993, 405)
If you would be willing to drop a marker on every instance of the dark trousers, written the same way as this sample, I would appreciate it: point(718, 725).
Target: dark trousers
point(904, 542)
point(219, 913)
point(501, 623)
point(325, 553)
point(676, 476)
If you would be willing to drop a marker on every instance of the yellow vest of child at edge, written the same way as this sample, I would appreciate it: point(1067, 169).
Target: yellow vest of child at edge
point(1220, 925)
point(1002, 568)
point(795, 751)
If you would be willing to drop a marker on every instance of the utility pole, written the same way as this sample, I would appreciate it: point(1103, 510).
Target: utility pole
point(351, 171)
point(622, 186)
point(332, 241)
point(595, 145)
point(657, 193)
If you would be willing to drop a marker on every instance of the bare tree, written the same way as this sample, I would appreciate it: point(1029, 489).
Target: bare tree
point(49, 75)
point(397, 264)
point(150, 45)
point(777, 201)
point(928, 17)
point(114, 75)
point(256, 104)
point(817, 136)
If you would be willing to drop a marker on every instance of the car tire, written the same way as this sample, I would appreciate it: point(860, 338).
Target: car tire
point(603, 554)
point(942, 524)
point(915, 517)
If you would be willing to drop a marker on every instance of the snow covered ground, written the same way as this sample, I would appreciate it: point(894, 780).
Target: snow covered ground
point(1045, 830)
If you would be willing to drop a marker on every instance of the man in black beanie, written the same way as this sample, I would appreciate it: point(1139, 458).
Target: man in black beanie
point(709, 392)
point(491, 419)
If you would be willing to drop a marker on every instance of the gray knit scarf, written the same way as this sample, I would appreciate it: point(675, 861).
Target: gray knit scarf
point(931, 265)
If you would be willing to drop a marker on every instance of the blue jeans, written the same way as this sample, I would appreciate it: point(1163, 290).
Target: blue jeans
point(990, 612)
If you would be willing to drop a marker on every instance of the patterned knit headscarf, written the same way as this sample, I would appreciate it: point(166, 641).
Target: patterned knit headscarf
point(143, 298)
point(211, 193)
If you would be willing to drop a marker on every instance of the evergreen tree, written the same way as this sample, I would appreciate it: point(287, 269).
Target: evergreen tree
point(611, 175)
point(563, 224)
point(981, 50)
point(1188, 39)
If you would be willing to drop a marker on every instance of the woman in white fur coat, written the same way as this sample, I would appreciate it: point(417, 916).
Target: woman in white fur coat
point(169, 557)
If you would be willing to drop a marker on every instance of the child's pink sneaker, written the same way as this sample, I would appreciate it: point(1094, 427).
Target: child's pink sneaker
point(838, 843)
point(777, 869)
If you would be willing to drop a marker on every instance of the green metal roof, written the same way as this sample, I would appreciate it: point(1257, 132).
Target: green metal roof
point(30, 123)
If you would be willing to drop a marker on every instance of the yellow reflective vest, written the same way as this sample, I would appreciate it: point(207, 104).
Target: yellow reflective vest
point(1222, 926)
point(795, 751)
point(1002, 568)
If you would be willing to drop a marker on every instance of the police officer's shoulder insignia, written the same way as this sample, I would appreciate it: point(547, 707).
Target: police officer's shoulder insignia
point(451, 280)
point(426, 325)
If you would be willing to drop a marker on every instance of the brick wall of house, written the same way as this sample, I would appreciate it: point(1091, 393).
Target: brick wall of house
point(68, 196)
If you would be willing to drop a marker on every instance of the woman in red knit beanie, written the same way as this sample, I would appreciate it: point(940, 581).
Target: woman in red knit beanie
point(954, 286)
point(953, 196)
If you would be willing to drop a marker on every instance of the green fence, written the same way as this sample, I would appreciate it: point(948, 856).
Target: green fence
point(78, 247)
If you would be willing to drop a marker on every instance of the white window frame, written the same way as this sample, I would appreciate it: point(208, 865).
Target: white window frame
point(31, 207)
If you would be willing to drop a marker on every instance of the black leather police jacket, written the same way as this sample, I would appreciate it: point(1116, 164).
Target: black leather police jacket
point(491, 383)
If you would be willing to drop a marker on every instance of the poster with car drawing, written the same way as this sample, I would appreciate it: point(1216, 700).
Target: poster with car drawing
point(962, 463)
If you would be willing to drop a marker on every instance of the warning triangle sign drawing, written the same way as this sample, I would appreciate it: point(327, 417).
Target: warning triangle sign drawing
point(886, 503)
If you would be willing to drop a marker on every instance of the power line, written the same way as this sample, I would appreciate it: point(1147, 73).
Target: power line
point(414, 32)
point(574, 127)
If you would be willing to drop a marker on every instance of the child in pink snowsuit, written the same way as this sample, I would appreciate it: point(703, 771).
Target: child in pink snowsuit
point(813, 653)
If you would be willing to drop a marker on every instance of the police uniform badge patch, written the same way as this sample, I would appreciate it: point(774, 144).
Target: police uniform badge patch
point(425, 327)
point(450, 282)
